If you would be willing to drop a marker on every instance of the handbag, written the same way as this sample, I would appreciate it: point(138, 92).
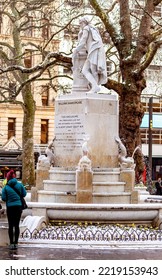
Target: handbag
point(24, 205)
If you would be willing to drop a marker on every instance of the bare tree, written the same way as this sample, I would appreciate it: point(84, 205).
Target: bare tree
point(136, 35)
point(16, 73)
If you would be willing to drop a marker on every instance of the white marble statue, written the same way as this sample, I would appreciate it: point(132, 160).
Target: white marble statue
point(47, 160)
point(94, 68)
point(50, 152)
point(43, 163)
point(85, 162)
point(125, 162)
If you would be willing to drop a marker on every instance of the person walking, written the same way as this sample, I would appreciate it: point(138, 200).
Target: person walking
point(158, 186)
point(10, 194)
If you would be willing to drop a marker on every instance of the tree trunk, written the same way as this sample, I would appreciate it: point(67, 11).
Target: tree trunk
point(28, 163)
point(130, 117)
point(131, 113)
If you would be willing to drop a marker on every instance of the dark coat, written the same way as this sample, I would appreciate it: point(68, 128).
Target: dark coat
point(158, 187)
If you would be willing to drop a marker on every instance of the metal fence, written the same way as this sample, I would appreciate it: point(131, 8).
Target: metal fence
point(108, 233)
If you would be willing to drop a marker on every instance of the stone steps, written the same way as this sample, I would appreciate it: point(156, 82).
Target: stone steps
point(109, 174)
point(108, 187)
point(112, 197)
point(61, 187)
point(56, 196)
point(70, 197)
point(51, 185)
point(61, 175)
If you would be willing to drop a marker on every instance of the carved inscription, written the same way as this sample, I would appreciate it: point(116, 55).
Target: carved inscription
point(69, 131)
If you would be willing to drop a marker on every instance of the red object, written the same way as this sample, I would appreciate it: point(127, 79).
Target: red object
point(10, 175)
point(144, 175)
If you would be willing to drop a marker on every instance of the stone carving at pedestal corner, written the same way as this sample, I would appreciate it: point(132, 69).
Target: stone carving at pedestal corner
point(85, 162)
point(125, 162)
point(89, 59)
point(47, 160)
point(43, 163)
point(50, 152)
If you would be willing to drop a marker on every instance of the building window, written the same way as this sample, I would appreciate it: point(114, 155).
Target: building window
point(71, 32)
point(158, 11)
point(28, 58)
point(156, 136)
point(45, 29)
point(73, 2)
point(153, 72)
point(156, 108)
point(45, 95)
point(12, 90)
point(109, 68)
point(105, 37)
point(44, 131)
point(28, 32)
point(139, 7)
point(11, 127)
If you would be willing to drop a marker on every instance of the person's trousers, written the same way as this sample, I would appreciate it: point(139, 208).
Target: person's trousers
point(14, 216)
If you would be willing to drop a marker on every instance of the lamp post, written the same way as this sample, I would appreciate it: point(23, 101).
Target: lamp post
point(150, 134)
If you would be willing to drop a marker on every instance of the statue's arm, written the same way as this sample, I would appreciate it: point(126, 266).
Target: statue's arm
point(83, 40)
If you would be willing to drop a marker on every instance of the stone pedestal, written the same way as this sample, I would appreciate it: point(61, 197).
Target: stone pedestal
point(135, 197)
point(128, 176)
point(86, 129)
point(84, 187)
point(80, 83)
point(158, 220)
point(34, 194)
point(41, 175)
point(79, 115)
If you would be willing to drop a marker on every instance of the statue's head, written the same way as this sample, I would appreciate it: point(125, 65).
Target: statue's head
point(84, 19)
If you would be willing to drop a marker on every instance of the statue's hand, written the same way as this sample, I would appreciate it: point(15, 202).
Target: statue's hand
point(75, 53)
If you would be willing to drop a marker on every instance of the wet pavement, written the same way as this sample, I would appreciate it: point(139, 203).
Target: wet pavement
point(83, 252)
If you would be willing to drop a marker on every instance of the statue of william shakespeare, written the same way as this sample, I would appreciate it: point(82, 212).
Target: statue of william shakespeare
point(94, 68)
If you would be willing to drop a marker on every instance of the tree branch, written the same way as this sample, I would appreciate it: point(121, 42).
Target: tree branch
point(116, 86)
point(156, 34)
point(157, 2)
point(7, 46)
point(104, 18)
point(126, 29)
point(144, 34)
point(150, 55)
point(42, 66)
